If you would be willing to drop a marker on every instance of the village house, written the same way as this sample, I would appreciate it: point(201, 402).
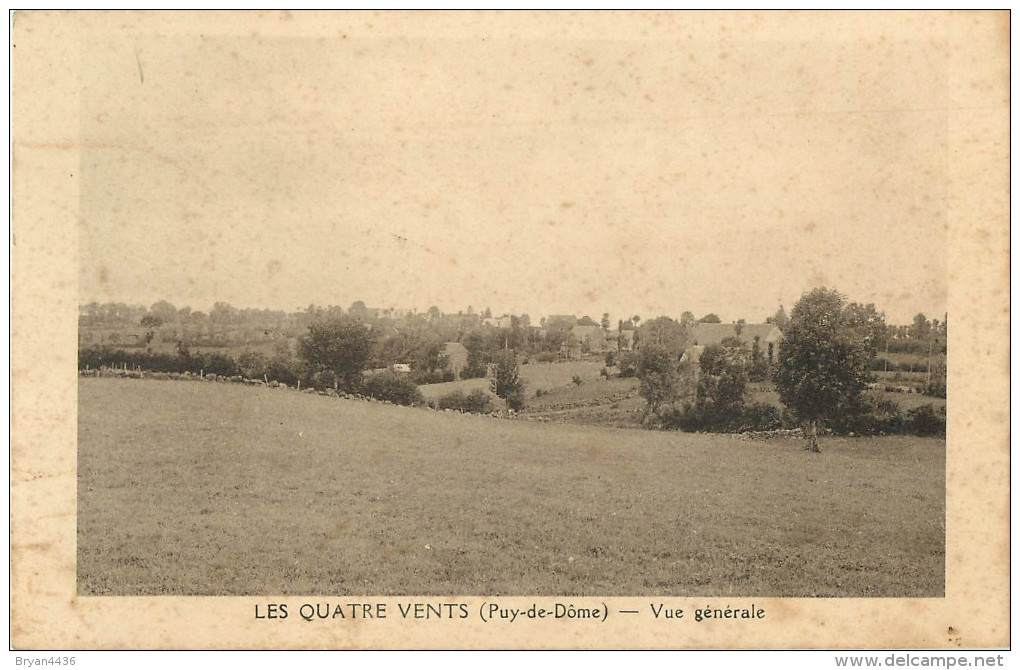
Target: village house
point(560, 322)
point(768, 335)
point(590, 339)
point(505, 321)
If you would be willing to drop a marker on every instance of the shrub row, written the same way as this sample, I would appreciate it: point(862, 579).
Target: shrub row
point(692, 418)
point(97, 357)
point(387, 386)
point(870, 417)
point(394, 388)
point(476, 402)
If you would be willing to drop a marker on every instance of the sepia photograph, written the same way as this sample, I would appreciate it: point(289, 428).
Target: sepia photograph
point(563, 305)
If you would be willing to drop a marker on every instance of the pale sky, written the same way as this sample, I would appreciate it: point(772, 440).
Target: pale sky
point(630, 176)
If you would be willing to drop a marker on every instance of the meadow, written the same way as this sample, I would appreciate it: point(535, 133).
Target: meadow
point(545, 376)
point(198, 488)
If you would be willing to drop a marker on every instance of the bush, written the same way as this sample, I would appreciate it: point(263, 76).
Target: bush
point(577, 380)
point(677, 418)
point(867, 416)
point(452, 400)
point(476, 402)
point(761, 416)
point(880, 364)
point(936, 389)
point(394, 388)
point(627, 362)
point(610, 359)
point(926, 421)
point(719, 400)
point(506, 382)
point(693, 417)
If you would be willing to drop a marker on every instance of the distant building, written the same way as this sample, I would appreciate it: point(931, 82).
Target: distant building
point(590, 339)
point(402, 368)
point(768, 334)
point(560, 322)
point(505, 321)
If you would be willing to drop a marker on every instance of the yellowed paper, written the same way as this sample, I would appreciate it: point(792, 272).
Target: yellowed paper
point(538, 161)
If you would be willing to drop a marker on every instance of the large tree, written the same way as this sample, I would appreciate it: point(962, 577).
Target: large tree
point(657, 370)
point(340, 347)
point(823, 363)
point(665, 333)
point(506, 382)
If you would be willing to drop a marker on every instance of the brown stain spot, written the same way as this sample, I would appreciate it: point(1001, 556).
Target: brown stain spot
point(273, 267)
point(566, 205)
point(104, 274)
point(810, 227)
point(337, 531)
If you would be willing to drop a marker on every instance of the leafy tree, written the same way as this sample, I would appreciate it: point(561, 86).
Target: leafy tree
point(430, 358)
point(357, 310)
point(223, 312)
point(605, 322)
point(164, 311)
point(710, 318)
point(665, 333)
point(152, 321)
point(477, 355)
point(781, 319)
point(719, 403)
point(920, 329)
point(657, 369)
point(506, 382)
point(823, 364)
point(716, 358)
point(868, 325)
point(340, 347)
point(758, 369)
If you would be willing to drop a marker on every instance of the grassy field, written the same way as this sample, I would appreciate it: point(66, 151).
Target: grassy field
point(192, 488)
point(545, 376)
